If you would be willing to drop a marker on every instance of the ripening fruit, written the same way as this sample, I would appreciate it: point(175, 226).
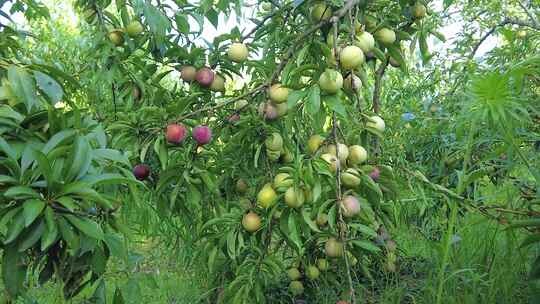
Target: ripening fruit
point(357, 155)
point(116, 37)
point(296, 288)
point(294, 197)
point(294, 274)
point(351, 57)
point(377, 123)
point(278, 93)
point(320, 11)
point(418, 10)
point(385, 36)
point(365, 42)
point(202, 135)
point(322, 264)
point(282, 180)
point(268, 111)
point(331, 81)
point(375, 174)
point(176, 133)
point(350, 178)
point(322, 220)
point(312, 272)
point(267, 196)
point(240, 104)
point(350, 206)
point(314, 142)
point(218, 84)
point(141, 172)
point(134, 28)
point(352, 83)
point(238, 52)
point(136, 92)
point(204, 77)
point(188, 73)
point(241, 186)
point(333, 248)
point(251, 222)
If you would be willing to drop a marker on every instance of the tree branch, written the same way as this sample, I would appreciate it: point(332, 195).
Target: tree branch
point(377, 89)
point(529, 13)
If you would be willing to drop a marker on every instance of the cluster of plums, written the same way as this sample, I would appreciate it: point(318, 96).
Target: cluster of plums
point(175, 134)
point(133, 29)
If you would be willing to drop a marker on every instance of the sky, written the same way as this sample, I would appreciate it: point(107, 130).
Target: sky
point(226, 24)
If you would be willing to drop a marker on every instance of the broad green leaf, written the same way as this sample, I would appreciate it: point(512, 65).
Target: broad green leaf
point(367, 245)
point(115, 243)
point(334, 103)
point(48, 85)
point(81, 159)
point(87, 226)
point(313, 100)
point(13, 270)
point(68, 233)
point(8, 112)
point(58, 139)
point(23, 86)
point(21, 192)
point(32, 236)
point(32, 209)
point(7, 149)
point(51, 231)
point(15, 228)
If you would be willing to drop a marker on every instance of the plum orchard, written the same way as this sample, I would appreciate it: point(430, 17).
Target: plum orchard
point(281, 179)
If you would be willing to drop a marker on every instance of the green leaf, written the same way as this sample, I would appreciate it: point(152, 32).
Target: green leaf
point(307, 219)
point(111, 155)
point(367, 245)
point(48, 85)
point(15, 228)
point(13, 270)
point(23, 87)
point(10, 152)
point(81, 159)
point(58, 139)
point(334, 103)
point(107, 179)
point(181, 23)
point(32, 236)
point(8, 112)
point(87, 226)
point(68, 234)
point(294, 234)
point(115, 243)
point(314, 100)
point(51, 231)
point(21, 192)
point(44, 167)
point(118, 297)
point(67, 202)
point(32, 209)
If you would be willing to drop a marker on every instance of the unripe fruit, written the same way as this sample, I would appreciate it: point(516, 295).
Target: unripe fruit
point(312, 272)
point(331, 81)
point(352, 83)
point(240, 104)
point(218, 84)
point(322, 220)
point(294, 274)
point(350, 206)
point(351, 57)
point(385, 36)
point(314, 142)
point(371, 23)
point(202, 135)
point(267, 6)
point(188, 73)
point(134, 28)
point(251, 222)
point(296, 288)
point(136, 92)
point(241, 186)
point(418, 10)
point(343, 151)
point(268, 111)
point(116, 37)
point(352, 259)
point(365, 42)
point(357, 155)
point(322, 264)
point(320, 12)
point(278, 94)
point(274, 142)
point(244, 203)
point(375, 174)
point(331, 160)
point(522, 34)
point(294, 198)
point(377, 123)
point(282, 180)
point(333, 248)
point(281, 109)
point(176, 133)
point(141, 172)
point(238, 52)
point(204, 77)
point(350, 178)
point(391, 245)
point(287, 156)
point(267, 196)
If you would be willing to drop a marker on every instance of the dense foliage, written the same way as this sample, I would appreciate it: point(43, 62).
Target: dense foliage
point(285, 161)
